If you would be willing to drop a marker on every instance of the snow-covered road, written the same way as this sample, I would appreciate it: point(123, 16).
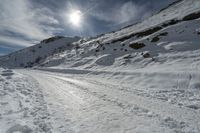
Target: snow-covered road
point(81, 105)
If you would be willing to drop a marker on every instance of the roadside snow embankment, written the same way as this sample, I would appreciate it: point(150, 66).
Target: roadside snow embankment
point(22, 107)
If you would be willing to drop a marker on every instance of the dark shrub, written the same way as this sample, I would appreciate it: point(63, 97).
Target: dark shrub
point(38, 59)
point(137, 45)
point(192, 16)
point(155, 39)
point(149, 31)
point(163, 34)
point(123, 44)
point(146, 55)
point(171, 22)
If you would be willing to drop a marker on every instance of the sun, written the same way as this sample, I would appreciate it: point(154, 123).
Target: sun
point(75, 18)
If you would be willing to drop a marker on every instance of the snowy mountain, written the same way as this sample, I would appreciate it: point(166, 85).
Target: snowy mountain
point(171, 33)
point(36, 54)
point(142, 78)
point(170, 36)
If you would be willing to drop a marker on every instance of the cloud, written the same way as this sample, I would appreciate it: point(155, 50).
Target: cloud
point(15, 42)
point(130, 11)
point(19, 18)
point(121, 13)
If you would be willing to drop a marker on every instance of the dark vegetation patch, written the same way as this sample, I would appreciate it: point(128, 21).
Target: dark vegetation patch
point(163, 34)
point(156, 38)
point(157, 28)
point(123, 44)
point(149, 31)
point(146, 55)
point(137, 45)
point(121, 39)
point(38, 59)
point(52, 39)
point(171, 22)
point(77, 46)
point(139, 34)
point(192, 16)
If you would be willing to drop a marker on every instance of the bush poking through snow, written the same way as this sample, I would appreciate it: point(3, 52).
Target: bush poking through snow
point(146, 55)
point(137, 45)
point(155, 39)
point(192, 16)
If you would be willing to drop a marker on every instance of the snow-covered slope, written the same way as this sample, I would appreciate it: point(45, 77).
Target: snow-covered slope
point(142, 78)
point(34, 55)
point(169, 38)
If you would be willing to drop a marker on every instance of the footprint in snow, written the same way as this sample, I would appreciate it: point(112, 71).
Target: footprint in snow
point(19, 129)
point(7, 73)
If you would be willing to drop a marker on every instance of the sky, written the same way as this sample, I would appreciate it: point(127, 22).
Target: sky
point(26, 22)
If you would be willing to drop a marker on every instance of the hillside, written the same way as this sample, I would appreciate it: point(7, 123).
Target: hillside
point(36, 54)
point(158, 39)
point(142, 78)
point(169, 38)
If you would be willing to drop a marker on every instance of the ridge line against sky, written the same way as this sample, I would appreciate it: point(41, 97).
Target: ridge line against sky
point(26, 22)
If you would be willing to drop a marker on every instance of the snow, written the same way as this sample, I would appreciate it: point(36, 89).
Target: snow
point(146, 83)
point(22, 107)
point(34, 55)
point(88, 104)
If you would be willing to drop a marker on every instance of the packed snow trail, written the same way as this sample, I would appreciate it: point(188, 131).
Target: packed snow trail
point(77, 105)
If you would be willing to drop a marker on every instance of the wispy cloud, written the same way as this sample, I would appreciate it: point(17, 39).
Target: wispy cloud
point(19, 18)
point(13, 41)
point(128, 11)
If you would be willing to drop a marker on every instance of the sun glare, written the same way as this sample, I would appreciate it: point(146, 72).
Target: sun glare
point(75, 18)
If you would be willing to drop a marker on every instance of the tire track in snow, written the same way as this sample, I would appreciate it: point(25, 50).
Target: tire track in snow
point(171, 116)
point(174, 116)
